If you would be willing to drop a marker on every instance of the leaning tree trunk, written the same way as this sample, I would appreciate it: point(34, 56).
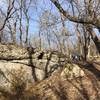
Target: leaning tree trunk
point(94, 37)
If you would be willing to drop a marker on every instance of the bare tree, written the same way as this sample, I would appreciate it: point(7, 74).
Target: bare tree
point(8, 14)
point(89, 20)
point(20, 22)
point(26, 7)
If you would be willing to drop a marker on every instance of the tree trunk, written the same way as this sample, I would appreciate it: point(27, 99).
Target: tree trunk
point(27, 29)
point(14, 33)
point(20, 32)
point(94, 38)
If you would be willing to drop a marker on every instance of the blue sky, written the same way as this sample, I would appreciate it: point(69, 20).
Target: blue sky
point(36, 12)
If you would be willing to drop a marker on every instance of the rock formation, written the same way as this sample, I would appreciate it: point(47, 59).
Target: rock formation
point(30, 74)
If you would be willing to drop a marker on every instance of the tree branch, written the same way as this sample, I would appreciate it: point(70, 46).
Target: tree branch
point(95, 22)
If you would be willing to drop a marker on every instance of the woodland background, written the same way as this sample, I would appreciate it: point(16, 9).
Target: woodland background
point(50, 49)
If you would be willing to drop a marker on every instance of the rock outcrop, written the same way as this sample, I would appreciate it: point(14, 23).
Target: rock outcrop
point(30, 74)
